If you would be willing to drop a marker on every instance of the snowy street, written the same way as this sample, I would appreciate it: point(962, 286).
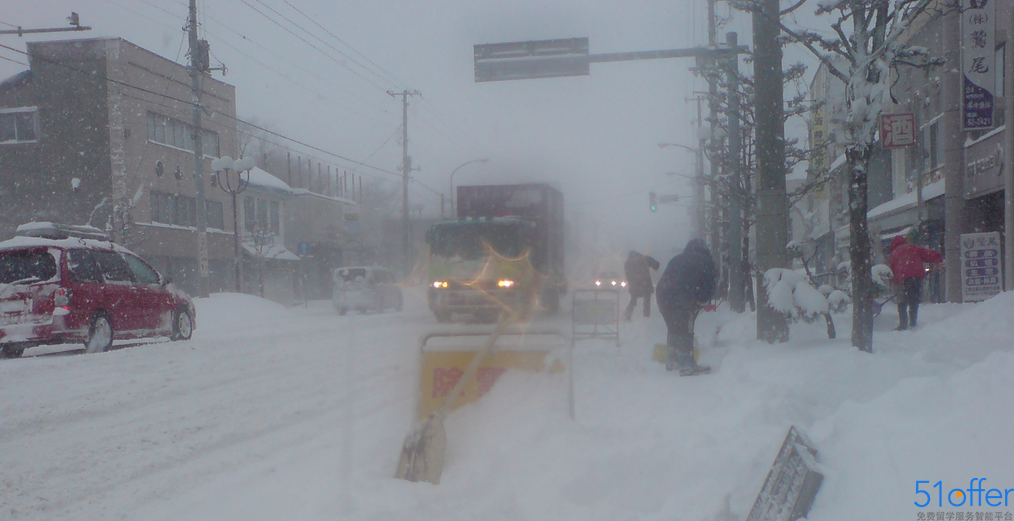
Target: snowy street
point(248, 421)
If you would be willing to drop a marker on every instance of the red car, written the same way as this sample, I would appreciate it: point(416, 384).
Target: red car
point(62, 284)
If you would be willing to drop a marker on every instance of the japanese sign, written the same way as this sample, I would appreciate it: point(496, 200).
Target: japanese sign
point(792, 482)
point(980, 266)
point(897, 130)
point(978, 49)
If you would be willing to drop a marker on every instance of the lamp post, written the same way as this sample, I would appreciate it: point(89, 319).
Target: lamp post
point(698, 215)
point(450, 183)
point(224, 168)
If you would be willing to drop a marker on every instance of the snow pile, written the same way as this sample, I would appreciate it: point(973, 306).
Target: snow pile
point(790, 292)
point(252, 421)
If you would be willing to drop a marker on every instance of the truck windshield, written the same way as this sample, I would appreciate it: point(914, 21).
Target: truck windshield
point(466, 240)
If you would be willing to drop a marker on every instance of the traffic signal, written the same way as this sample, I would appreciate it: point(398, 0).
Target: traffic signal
point(653, 201)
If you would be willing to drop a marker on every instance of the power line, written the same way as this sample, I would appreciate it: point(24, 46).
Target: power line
point(13, 60)
point(287, 77)
point(304, 40)
point(343, 42)
point(191, 103)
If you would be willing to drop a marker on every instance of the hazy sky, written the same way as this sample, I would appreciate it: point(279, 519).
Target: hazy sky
point(595, 137)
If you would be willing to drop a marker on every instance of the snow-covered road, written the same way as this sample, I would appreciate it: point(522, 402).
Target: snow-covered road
point(250, 420)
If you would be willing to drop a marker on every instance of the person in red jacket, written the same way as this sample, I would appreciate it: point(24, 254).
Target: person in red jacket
point(908, 269)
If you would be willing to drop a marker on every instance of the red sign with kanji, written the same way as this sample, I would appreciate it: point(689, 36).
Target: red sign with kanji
point(897, 130)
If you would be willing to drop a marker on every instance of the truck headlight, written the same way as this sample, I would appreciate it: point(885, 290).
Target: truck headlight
point(440, 284)
point(505, 283)
point(598, 282)
point(623, 284)
point(614, 283)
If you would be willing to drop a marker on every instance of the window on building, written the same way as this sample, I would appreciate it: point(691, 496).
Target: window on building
point(276, 222)
point(262, 215)
point(216, 216)
point(179, 210)
point(179, 134)
point(249, 214)
point(19, 125)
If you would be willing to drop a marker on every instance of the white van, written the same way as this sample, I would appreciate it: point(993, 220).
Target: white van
point(365, 288)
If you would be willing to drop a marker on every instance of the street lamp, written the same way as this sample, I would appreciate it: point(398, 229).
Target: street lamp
point(450, 184)
point(698, 215)
point(224, 168)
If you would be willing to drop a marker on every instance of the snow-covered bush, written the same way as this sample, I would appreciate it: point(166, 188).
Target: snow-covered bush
point(790, 292)
point(838, 301)
point(825, 289)
point(882, 276)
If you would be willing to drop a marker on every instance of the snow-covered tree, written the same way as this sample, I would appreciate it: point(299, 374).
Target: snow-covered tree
point(866, 45)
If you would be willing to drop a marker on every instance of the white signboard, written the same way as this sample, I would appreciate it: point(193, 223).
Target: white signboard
point(980, 266)
point(978, 61)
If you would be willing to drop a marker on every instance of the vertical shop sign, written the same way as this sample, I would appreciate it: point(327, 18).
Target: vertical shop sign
point(978, 48)
point(980, 266)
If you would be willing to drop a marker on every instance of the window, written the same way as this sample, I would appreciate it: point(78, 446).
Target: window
point(83, 267)
point(176, 133)
point(25, 267)
point(262, 215)
point(18, 125)
point(248, 214)
point(216, 217)
point(180, 210)
point(276, 224)
point(114, 268)
point(143, 273)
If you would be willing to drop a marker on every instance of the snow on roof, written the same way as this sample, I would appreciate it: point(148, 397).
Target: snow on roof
point(263, 179)
point(908, 200)
point(270, 251)
point(73, 242)
point(343, 200)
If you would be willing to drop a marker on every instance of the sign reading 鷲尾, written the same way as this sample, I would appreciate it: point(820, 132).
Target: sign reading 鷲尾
point(897, 130)
point(980, 266)
point(978, 63)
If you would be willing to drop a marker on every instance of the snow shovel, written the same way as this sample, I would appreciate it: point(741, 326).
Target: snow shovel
point(422, 454)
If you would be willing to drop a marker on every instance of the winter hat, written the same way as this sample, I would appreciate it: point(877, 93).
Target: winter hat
point(898, 241)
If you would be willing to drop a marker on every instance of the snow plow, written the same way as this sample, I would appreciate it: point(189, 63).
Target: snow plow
point(456, 371)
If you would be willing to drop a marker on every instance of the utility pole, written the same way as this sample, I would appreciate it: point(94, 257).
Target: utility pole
point(406, 170)
point(700, 210)
point(736, 197)
point(715, 228)
point(772, 222)
point(199, 65)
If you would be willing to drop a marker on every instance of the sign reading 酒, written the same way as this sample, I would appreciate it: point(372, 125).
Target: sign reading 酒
point(897, 130)
point(978, 60)
point(980, 266)
point(531, 59)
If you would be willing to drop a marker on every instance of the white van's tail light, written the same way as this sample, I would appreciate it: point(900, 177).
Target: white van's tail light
point(61, 298)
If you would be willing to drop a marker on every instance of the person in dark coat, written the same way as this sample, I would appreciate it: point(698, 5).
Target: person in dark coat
point(639, 281)
point(907, 263)
point(687, 284)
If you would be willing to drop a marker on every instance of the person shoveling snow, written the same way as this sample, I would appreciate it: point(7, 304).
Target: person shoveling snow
point(687, 284)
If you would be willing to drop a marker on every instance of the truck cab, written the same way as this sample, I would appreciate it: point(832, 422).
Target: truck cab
point(504, 251)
